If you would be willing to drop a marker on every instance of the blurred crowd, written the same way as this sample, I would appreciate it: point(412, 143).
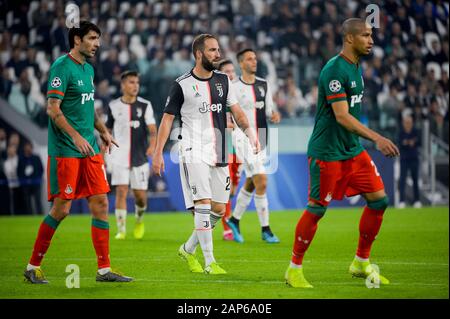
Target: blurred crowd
point(21, 176)
point(407, 73)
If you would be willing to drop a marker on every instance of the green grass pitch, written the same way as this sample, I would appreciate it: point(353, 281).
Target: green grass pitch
point(411, 250)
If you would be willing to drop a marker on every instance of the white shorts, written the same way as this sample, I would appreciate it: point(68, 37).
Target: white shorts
point(202, 181)
point(253, 163)
point(136, 176)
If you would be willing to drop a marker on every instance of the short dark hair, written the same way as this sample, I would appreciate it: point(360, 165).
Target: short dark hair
point(199, 42)
point(223, 63)
point(241, 53)
point(81, 31)
point(128, 73)
point(352, 26)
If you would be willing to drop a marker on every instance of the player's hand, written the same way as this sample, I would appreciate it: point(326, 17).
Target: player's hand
point(386, 147)
point(150, 150)
point(158, 163)
point(83, 146)
point(275, 118)
point(254, 143)
point(108, 141)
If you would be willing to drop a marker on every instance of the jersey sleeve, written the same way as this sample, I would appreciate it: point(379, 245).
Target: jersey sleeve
point(175, 99)
point(270, 105)
point(149, 117)
point(333, 84)
point(58, 81)
point(109, 118)
point(231, 97)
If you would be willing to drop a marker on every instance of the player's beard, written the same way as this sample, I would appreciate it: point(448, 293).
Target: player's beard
point(208, 65)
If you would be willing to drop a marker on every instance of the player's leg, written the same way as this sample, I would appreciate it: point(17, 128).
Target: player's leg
point(94, 186)
point(139, 183)
point(242, 201)
point(262, 207)
point(62, 176)
point(121, 210)
point(140, 208)
point(402, 183)
point(120, 178)
point(323, 177)
point(47, 229)
point(367, 181)
point(234, 176)
point(414, 167)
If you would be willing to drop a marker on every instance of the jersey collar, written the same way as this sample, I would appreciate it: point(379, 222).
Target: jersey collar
point(240, 79)
point(73, 59)
point(196, 77)
point(347, 59)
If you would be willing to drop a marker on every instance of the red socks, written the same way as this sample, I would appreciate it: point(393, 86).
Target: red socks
point(100, 239)
point(226, 216)
point(43, 239)
point(369, 227)
point(304, 233)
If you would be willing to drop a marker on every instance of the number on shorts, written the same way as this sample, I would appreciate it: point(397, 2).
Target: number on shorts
point(143, 176)
point(375, 168)
point(227, 188)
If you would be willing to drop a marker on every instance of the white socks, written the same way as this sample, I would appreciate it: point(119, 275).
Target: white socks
point(139, 212)
point(202, 224)
point(243, 200)
point(192, 242)
point(103, 271)
point(262, 208)
point(121, 220)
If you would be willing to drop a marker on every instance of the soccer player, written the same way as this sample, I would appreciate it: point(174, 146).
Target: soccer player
point(255, 97)
point(202, 97)
point(227, 67)
point(75, 166)
point(131, 120)
point(338, 164)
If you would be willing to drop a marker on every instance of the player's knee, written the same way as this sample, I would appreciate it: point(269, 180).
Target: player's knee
point(379, 204)
point(218, 208)
point(261, 184)
point(316, 209)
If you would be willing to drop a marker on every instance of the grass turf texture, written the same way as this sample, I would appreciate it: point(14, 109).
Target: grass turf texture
point(411, 250)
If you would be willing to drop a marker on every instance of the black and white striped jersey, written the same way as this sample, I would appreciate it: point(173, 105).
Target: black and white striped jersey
point(202, 104)
point(257, 103)
point(128, 123)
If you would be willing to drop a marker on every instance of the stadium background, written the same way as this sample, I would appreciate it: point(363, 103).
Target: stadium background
point(407, 73)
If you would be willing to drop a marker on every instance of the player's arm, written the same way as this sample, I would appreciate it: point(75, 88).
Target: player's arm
point(348, 121)
point(161, 139)
point(57, 116)
point(271, 108)
point(173, 106)
point(105, 134)
point(151, 139)
point(242, 122)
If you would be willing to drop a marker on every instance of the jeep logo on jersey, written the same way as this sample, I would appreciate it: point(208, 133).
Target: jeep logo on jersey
point(262, 92)
point(135, 124)
point(56, 82)
point(219, 89)
point(210, 108)
point(259, 105)
point(356, 99)
point(334, 86)
point(87, 97)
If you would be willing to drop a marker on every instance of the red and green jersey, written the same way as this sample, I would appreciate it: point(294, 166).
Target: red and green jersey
point(339, 80)
point(73, 83)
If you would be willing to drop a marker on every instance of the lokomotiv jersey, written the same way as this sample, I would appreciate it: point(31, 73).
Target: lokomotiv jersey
point(202, 104)
point(256, 101)
point(129, 125)
point(73, 83)
point(339, 80)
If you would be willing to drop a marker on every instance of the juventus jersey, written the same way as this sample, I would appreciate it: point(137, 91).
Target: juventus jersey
point(202, 104)
point(257, 103)
point(128, 123)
